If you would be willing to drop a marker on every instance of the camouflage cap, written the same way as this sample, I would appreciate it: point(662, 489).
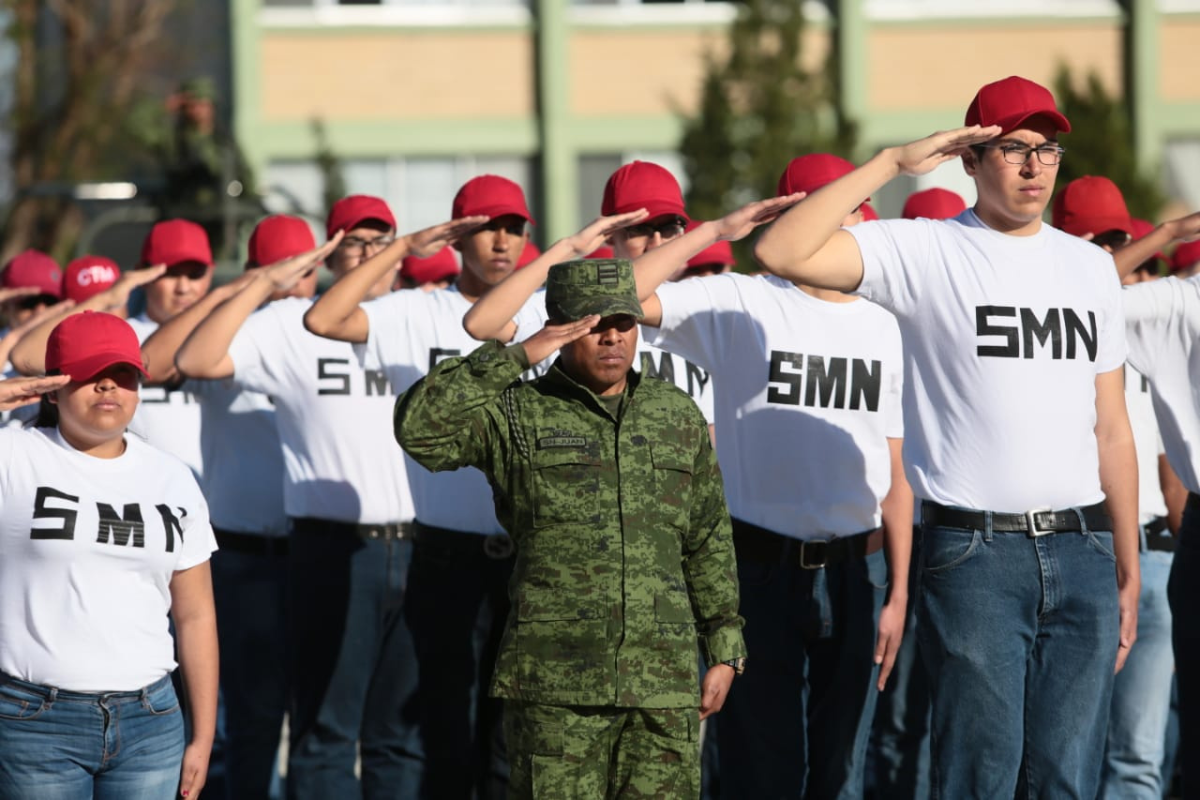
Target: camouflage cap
point(603, 286)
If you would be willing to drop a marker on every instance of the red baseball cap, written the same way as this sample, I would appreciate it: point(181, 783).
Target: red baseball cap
point(276, 238)
point(176, 241)
point(601, 252)
point(717, 253)
point(1010, 102)
point(811, 172)
point(88, 275)
point(33, 268)
point(1091, 204)
point(530, 252)
point(933, 203)
point(84, 344)
point(869, 213)
point(438, 267)
point(1185, 255)
point(490, 196)
point(352, 211)
point(641, 184)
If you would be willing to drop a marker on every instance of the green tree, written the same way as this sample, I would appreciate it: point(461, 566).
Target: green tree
point(759, 109)
point(1101, 142)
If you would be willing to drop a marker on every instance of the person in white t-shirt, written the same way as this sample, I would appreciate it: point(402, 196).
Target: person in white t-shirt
point(352, 664)
point(243, 483)
point(808, 414)
point(1017, 442)
point(101, 537)
point(1092, 207)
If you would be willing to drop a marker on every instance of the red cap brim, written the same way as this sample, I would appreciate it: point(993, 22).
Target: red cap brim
point(87, 368)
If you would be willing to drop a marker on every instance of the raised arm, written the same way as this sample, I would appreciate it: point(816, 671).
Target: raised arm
point(806, 245)
point(158, 351)
point(29, 354)
point(655, 267)
point(205, 351)
point(1137, 252)
point(491, 317)
point(10, 340)
point(336, 314)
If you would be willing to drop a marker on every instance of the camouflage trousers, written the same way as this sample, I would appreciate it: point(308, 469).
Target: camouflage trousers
point(598, 752)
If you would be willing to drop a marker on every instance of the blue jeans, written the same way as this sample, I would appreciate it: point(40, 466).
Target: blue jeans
point(457, 607)
point(901, 731)
point(353, 668)
point(58, 745)
point(250, 591)
point(1142, 694)
point(797, 722)
point(1019, 640)
point(1183, 589)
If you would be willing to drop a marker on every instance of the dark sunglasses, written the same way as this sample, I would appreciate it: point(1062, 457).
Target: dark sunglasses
point(667, 228)
point(619, 322)
point(31, 302)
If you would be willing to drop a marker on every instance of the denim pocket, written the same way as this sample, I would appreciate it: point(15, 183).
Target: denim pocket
point(161, 701)
point(18, 704)
point(946, 548)
point(1102, 541)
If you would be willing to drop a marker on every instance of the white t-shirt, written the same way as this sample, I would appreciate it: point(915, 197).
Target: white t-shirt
point(244, 478)
point(410, 332)
point(1004, 337)
point(650, 360)
point(1140, 404)
point(333, 410)
point(807, 394)
point(169, 419)
point(84, 603)
point(1163, 319)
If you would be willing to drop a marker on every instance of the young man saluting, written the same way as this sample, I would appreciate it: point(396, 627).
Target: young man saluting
point(1017, 442)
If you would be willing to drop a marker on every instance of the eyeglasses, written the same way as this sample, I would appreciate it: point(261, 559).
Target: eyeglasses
point(362, 245)
point(1048, 155)
point(667, 229)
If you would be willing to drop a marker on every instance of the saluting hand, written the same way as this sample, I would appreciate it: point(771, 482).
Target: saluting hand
point(284, 275)
point(549, 339)
point(428, 241)
point(925, 155)
point(17, 392)
point(118, 295)
point(1184, 229)
point(18, 291)
point(738, 224)
point(595, 233)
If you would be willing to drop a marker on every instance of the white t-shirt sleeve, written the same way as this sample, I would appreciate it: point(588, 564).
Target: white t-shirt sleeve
point(252, 350)
point(532, 317)
point(1112, 350)
point(1152, 310)
point(895, 256)
point(698, 316)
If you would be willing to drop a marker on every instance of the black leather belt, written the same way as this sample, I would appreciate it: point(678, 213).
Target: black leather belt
point(251, 543)
point(753, 543)
point(1037, 522)
point(384, 531)
point(496, 546)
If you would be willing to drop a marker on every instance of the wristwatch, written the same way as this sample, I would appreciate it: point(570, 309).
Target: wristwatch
point(738, 665)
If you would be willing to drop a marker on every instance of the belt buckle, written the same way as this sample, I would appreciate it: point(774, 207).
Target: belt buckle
point(1032, 530)
point(821, 546)
point(498, 546)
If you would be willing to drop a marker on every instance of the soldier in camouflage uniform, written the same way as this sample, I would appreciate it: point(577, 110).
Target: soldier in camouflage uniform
point(610, 489)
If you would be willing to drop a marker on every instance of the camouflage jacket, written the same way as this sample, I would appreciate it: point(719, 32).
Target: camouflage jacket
point(624, 554)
